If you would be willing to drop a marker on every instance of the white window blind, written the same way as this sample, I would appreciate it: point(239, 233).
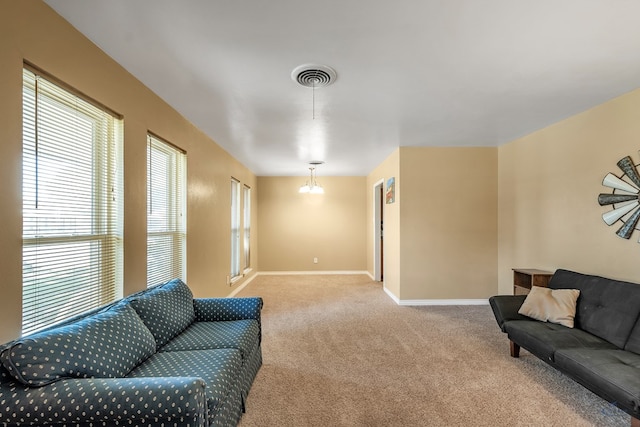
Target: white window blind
point(247, 227)
point(166, 212)
point(235, 228)
point(71, 189)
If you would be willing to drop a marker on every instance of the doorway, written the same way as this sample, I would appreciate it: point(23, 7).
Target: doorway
point(378, 231)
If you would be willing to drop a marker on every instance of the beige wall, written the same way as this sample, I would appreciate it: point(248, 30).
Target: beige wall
point(440, 239)
point(30, 31)
point(448, 223)
point(295, 228)
point(549, 182)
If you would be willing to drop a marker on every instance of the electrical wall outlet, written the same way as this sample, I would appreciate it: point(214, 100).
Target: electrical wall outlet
point(315, 260)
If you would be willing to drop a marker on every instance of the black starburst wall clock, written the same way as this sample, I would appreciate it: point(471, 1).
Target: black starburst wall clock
point(624, 198)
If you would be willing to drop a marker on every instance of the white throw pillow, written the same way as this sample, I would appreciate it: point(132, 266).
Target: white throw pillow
point(551, 305)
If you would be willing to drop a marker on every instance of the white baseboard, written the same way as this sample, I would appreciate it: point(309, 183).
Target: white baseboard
point(444, 302)
point(416, 302)
point(276, 273)
point(314, 272)
point(392, 296)
point(242, 286)
point(407, 302)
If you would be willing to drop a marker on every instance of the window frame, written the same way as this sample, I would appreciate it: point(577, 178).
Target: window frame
point(172, 200)
point(55, 220)
point(246, 227)
point(235, 271)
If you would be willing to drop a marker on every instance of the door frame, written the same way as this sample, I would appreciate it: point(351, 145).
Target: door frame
point(378, 261)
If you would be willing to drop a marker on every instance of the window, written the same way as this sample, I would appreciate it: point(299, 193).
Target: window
point(72, 190)
point(235, 228)
point(166, 212)
point(247, 227)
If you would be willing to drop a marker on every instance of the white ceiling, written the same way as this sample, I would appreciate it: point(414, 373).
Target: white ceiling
point(410, 72)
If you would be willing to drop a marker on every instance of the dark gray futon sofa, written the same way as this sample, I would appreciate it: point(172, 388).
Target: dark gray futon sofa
point(601, 352)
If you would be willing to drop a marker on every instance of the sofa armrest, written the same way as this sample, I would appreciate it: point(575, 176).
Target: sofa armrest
point(221, 309)
point(505, 308)
point(129, 401)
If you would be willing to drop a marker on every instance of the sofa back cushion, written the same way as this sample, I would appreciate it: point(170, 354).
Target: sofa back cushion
point(108, 344)
point(606, 308)
point(167, 310)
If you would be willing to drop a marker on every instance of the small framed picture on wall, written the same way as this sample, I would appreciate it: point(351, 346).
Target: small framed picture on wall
point(390, 195)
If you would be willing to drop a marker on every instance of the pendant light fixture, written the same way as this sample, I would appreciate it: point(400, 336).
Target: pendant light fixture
point(312, 186)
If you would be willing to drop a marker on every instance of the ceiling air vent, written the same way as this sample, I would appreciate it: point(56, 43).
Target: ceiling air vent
point(312, 75)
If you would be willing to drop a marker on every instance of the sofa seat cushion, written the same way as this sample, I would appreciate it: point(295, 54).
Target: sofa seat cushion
point(167, 310)
point(86, 402)
point(614, 373)
point(543, 339)
point(239, 334)
point(105, 345)
point(220, 370)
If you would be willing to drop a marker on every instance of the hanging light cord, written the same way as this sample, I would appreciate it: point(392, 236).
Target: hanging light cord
point(313, 100)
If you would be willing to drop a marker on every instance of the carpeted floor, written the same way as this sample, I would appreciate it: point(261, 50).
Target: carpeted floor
point(339, 352)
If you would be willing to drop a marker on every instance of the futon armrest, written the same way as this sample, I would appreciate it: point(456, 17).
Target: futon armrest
point(505, 308)
point(127, 401)
point(222, 309)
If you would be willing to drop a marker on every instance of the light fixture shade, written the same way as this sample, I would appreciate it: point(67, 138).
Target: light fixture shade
point(305, 189)
point(311, 186)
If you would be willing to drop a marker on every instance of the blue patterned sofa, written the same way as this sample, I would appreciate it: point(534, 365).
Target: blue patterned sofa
point(155, 358)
